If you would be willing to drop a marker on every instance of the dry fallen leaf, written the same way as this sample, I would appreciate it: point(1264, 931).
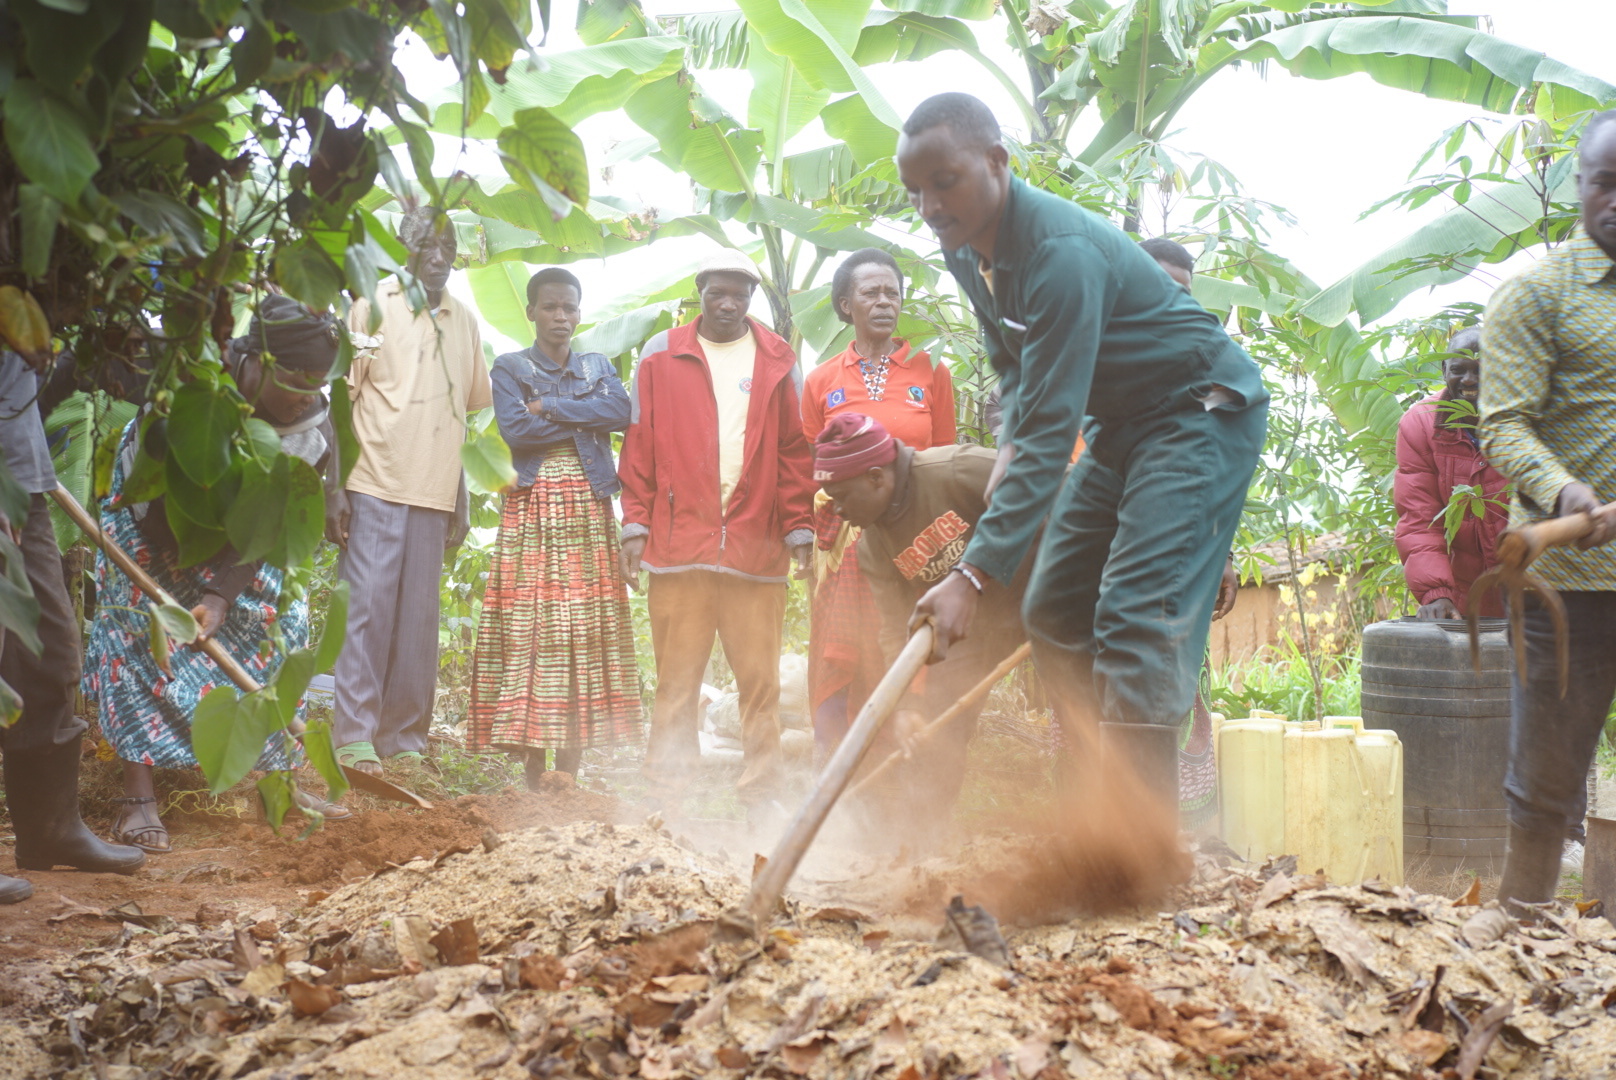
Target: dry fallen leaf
point(1485, 927)
point(1480, 1036)
point(245, 951)
point(1345, 940)
point(264, 980)
point(799, 1055)
point(309, 999)
point(1472, 896)
point(1031, 1056)
point(1426, 1047)
point(73, 910)
point(186, 970)
point(733, 1057)
point(457, 943)
point(1274, 890)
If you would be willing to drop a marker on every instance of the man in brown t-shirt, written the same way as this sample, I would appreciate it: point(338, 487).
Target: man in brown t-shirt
point(918, 510)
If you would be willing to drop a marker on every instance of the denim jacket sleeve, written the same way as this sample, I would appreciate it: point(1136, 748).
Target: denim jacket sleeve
point(520, 428)
point(602, 408)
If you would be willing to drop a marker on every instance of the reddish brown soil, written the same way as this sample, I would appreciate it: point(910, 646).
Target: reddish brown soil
point(344, 851)
point(238, 867)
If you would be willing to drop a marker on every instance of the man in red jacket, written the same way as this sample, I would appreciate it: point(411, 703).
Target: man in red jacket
point(717, 498)
point(1437, 452)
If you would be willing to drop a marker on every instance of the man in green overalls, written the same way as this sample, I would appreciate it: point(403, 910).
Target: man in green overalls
point(1078, 320)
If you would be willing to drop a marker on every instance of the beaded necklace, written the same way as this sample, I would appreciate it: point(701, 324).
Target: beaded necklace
point(875, 375)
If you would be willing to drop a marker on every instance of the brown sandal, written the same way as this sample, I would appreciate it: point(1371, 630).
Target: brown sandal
point(124, 835)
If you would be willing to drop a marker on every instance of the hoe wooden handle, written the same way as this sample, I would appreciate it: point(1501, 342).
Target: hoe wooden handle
point(925, 734)
point(87, 525)
point(771, 882)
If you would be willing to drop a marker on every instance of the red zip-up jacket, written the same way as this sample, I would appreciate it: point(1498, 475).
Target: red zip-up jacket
point(1433, 459)
point(669, 464)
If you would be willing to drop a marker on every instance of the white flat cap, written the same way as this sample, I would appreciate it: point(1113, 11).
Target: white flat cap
point(731, 261)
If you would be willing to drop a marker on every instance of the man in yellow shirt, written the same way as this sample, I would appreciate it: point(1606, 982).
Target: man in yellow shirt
point(405, 499)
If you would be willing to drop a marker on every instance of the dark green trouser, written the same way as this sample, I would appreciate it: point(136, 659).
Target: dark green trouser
point(1124, 583)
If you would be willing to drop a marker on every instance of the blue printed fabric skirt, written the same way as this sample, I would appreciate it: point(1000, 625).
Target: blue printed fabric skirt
point(145, 714)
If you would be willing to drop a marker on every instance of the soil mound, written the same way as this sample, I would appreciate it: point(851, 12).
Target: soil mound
point(375, 839)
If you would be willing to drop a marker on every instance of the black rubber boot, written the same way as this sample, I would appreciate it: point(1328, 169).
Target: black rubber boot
point(42, 791)
point(1151, 750)
point(14, 890)
point(1531, 869)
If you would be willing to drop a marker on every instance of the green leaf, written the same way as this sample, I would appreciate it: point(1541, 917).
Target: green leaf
point(1437, 59)
point(498, 29)
point(1511, 209)
point(782, 103)
point(304, 523)
point(202, 421)
point(487, 461)
point(307, 273)
point(342, 423)
point(959, 9)
point(147, 479)
point(500, 290)
point(574, 84)
point(177, 622)
point(14, 501)
point(252, 55)
point(320, 747)
point(10, 705)
point(820, 42)
point(49, 140)
point(197, 542)
point(165, 220)
point(475, 97)
point(276, 789)
point(336, 628)
point(19, 608)
point(850, 120)
point(261, 441)
point(253, 521)
point(158, 641)
point(696, 136)
point(39, 214)
point(292, 682)
point(625, 333)
point(543, 155)
point(228, 732)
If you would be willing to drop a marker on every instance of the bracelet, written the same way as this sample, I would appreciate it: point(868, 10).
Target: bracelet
point(965, 572)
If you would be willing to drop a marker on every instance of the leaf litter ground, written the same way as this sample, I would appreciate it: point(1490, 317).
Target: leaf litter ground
point(588, 948)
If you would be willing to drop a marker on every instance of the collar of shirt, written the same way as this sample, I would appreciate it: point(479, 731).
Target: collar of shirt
point(1593, 264)
point(447, 305)
point(901, 466)
point(900, 355)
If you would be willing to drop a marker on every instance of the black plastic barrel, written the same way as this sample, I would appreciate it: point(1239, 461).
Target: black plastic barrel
point(1418, 681)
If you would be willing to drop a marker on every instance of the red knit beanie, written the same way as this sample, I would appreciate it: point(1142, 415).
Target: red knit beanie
point(851, 445)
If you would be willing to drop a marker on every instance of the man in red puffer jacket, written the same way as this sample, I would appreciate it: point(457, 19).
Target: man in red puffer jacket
point(717, 499)
point(1437, 452)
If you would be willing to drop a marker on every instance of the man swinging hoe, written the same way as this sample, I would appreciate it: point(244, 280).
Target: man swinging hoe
point(1078, 321)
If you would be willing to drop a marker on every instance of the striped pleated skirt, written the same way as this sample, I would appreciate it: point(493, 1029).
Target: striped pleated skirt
point(554, 665)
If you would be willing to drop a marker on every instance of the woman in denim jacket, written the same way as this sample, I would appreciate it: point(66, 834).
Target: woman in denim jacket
point(554, 665)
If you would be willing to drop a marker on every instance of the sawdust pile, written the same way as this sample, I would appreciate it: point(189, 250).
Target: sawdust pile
point(588, 951)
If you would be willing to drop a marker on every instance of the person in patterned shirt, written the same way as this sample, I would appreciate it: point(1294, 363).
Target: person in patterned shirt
point(1548, 422)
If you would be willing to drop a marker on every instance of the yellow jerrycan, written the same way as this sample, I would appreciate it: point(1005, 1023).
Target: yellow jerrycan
point(1330, 793)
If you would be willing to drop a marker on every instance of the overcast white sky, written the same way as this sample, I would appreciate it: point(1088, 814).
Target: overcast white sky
point(1323, 150)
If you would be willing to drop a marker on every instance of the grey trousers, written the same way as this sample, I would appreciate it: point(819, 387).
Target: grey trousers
point(388, 670)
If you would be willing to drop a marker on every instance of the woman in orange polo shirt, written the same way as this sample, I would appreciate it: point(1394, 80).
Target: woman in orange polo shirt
point(878, 375)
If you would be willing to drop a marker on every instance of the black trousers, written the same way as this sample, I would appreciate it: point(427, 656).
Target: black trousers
point(1552, 740)
point(49, 681)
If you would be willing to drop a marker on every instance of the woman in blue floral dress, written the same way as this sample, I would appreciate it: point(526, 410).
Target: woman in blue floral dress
point(145, 712)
